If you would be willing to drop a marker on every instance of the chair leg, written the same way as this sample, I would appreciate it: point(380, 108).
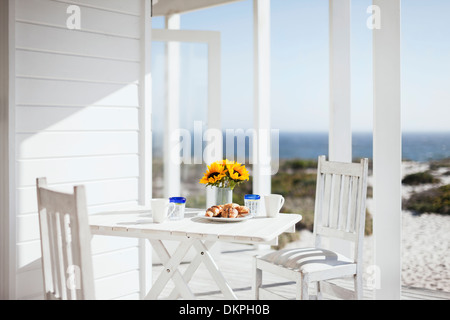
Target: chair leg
point(319, 292)
point(257, 279)
point(357, 278)
point(302, 285)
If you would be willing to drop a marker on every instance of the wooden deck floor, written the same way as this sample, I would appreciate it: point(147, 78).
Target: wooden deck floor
point(235, 262)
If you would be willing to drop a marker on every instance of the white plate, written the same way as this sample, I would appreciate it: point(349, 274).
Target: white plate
point(202, 215)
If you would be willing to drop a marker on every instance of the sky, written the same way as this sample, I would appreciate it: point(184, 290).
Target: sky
point(300, 66)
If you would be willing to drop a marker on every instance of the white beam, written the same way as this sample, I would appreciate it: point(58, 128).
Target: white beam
point(340, 129)
point(145, 104)
point(387, 147)
point(145, 140)
point(340, 134)
point(7, 154)
point(213, 137)
point(193, 36)
point(171, 7)
point(214, 108)
point(172, 120)
point(261, 145)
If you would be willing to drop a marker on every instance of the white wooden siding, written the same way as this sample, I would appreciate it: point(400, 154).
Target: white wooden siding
point(77, 122)
point(61, 92)
point(76, 119)
point(50, 65)
point(35, 37)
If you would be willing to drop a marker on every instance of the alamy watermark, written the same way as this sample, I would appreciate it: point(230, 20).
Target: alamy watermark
point(373, 277)
point(258, 147)
point(73, 281)
point(73, 22)
point(374, 21)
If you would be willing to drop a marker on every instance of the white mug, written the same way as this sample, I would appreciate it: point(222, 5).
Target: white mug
point(160, 208)
point(273, 202)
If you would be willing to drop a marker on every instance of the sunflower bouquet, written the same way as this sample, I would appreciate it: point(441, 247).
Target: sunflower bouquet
point(225, 174)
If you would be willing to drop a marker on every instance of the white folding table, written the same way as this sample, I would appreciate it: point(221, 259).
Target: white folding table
point(193, 231)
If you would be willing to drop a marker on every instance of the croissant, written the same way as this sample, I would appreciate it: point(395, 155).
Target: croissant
point(242, 210)
point(229, 210)
point(214, 211)
point(230, 213)
point(230, 205)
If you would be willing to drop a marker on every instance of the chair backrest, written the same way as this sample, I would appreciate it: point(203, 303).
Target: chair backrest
point(340, 204)
point(65, 244)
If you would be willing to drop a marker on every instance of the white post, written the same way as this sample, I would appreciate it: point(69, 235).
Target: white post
point(387, 148)
point(214, 135)
point(340, 135)
point(145, 141)
point(7, 152)
point(172, 120)
point(261, 145)
point(340, 130)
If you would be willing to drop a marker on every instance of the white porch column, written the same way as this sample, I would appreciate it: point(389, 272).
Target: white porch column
point(387, 148)
point(214, 137)
point(340, 134)
point(261, 145)
point(7, 153)
point(145, 141)
point(172, 120)
point(340, 130)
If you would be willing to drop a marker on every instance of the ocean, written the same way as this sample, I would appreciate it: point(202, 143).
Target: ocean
point(307, 145)
point(415, 146)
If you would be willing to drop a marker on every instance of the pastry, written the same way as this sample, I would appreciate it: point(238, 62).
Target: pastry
point(229, 212)
point(242, 210)
point(214, 211)
point(230, 205)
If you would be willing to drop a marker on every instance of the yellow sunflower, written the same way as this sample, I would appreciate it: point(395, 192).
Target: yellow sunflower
point(237, 171)
point(225, 162)
point(214, 174)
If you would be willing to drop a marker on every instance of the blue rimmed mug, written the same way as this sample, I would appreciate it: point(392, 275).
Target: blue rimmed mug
point(176, 208)
point(251, 201)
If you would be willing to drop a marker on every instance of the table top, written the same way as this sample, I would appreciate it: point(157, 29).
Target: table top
point(137, 222)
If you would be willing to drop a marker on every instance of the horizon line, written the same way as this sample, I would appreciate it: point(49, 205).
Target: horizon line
point(324, 131)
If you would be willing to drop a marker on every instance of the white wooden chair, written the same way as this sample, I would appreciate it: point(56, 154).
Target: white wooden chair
point(339, 213)
point(65, 244)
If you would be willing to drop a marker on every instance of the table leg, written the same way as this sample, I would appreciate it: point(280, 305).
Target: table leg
point(170, 269)
point(189, 272)
point(214, 270)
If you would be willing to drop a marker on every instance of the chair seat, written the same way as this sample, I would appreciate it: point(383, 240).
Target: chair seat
point(307, 260)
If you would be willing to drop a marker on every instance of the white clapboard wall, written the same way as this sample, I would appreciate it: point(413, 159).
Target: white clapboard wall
point(77, 122)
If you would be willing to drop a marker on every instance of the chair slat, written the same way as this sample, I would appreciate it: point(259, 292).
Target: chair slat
point(345, 202)
point(46, 259)
point(336, 201)
point(318, 208)
point(326, 199)
point(66, 252)
point(335, 233)
point(76, 256)
point(343, 168)
point(55, 254)
point(354, 205)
